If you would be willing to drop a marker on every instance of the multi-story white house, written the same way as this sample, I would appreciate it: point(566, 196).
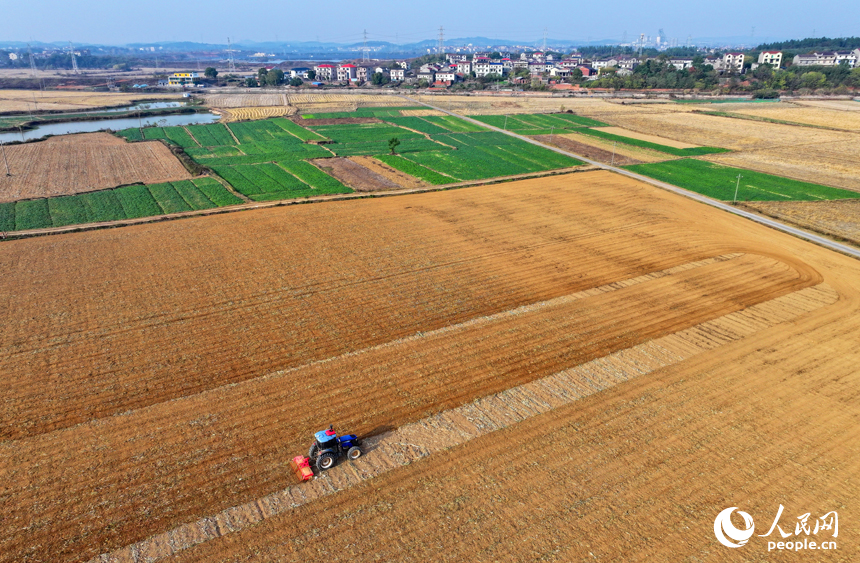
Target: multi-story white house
point(483, 68)
point(464, 67)
point(347, 72)
point(446, 76)
point(828, 58)
point(629, 63)
point(772, 58)
point(325, 72)
point(733, 61)
point(398, 74)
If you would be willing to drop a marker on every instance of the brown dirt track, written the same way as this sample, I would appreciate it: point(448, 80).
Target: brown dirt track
point(87, 162)
point(105, 457)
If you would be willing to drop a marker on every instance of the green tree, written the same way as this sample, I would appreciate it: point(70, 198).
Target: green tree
point(261, 75)
point(814, 80)
point(275, 77)
point(296, 81)
point(312, 74)
point(251, 82)
point(575, 73)
point(378, 79)
point(392, 144)
point(210, 72)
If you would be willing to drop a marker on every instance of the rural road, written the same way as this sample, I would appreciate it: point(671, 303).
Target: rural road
point(800, 233)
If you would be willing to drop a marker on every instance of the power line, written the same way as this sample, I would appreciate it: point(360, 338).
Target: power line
point(366, 56)
point(441, 40)
point(231, 66)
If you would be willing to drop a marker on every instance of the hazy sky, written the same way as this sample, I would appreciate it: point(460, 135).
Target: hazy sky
point(121, 21)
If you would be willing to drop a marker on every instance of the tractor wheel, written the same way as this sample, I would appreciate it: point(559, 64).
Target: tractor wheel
point(354, 453)
point(313, 451)
point(325, 461)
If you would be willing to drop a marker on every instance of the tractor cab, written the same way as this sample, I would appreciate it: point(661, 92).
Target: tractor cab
point(328, 447)
point(326, 439)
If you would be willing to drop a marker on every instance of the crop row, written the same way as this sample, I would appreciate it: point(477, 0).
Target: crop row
point(286, 180)
point(212, 135)
point(418, 124)
point(127, 202)
point(538, 124)
point(409, 145)
point(364, 132)
point(720, 182)
point(414, 169)
point(297, 130)
point(695, 151)
point(297, 152)
point(454, 124)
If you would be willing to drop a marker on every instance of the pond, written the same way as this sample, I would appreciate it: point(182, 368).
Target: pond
point(114, 124)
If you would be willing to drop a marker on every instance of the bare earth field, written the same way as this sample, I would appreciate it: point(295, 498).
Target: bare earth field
point(402, 179)
point(836, 218)
point(578, 146)
point(86, 162)
point(606, 146)
point(846, 105)
point(355, 175)
point(378, 313)
point(29, 100)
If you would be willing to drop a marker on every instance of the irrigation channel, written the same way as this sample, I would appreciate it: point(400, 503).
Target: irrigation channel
point(100, 121)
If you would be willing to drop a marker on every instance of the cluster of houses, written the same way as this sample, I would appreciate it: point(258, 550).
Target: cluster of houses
point(828, 58)
point(459, 67)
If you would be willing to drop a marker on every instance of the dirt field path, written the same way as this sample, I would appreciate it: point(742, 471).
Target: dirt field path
point(489, 414)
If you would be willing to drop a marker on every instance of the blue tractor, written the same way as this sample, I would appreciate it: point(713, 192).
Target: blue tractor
point(328, 447)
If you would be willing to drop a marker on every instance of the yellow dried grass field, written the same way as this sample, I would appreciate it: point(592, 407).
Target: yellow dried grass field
point(642, 137)
point(250, 113)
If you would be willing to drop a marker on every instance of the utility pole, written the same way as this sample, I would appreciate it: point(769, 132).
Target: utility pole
point(551, 131)
point(505, 128)
point(3, 146)
point(737, 186)
point(641, 43)
point(615, 144)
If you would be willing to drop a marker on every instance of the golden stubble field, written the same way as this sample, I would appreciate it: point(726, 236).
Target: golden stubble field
point(161, 373)
point(70, 164)
point(35, 100)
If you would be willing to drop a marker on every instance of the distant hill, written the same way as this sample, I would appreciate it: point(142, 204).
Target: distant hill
point(813, 43)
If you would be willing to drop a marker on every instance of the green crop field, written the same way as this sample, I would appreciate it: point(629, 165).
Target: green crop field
point(538, 124)
point(297, 130)
point(413, 169)
point(217, 194)
point(696, 151)
point(32, 214)
point(132, 134)
point(67, 210)
point(718, 182)
point(7, 216)
point(137, 202)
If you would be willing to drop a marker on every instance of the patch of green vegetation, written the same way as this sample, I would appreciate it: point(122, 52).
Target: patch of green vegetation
point(32, 214)
point(7, 216)
point(132, 134)
point(422, 172)
point(297, 130)
point(67, 210)
point(695, 151)
point(217, 194)
point(719, 182)
point(195, 199)
point(102, 206)
point(137, 202)
point(167, 198)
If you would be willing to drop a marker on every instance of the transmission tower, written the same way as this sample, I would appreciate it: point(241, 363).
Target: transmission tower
point(441, 40)
point(231, 66)
point(366, 56)
point(74, 61)
point(32, 61)
point(641, 43)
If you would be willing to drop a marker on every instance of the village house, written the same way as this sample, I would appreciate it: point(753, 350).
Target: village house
point(398, 74)
point(464, 67)
point(681, 64)
point(301, 72)
point(772, 58)
point(733, 61)
point(347, 72)
point(325, 72)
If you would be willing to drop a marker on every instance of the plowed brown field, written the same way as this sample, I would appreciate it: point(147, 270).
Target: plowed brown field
point(70, 164)
point(160, 373)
